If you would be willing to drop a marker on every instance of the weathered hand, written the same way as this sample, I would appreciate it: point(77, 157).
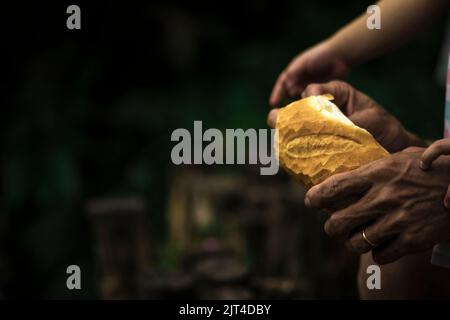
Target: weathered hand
point(368, 114)
point(397, 204)
point(434, 151)
point(365, 113)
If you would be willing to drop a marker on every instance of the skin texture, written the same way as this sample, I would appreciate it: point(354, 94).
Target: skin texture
point(365, 113)
point(434, 151)
point(400, 203)
point(319, 63)
point(355, 44)
point(333, 59)
point(400, 206)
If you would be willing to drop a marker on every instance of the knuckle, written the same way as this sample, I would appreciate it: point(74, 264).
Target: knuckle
point(398, 222)
point(374, 113)
point(338, 83)
point(381, 200)
point(283, 77)
point(384, 196)
point(439, 145)
point(313, 89)
point(332, 186)
point(389, 192)
point(342, 86)
point(379, 167)
point(403, 218)
point(396, 225)
point(335, 227)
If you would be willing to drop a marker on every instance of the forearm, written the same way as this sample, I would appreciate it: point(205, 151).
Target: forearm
point(400, 21)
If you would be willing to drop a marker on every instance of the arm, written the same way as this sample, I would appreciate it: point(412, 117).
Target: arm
point(354, 44)
point(400, 21)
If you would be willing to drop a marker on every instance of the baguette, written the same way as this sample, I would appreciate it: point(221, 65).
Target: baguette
point(315, 140)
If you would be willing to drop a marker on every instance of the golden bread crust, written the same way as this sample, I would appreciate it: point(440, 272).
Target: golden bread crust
point(314, 141)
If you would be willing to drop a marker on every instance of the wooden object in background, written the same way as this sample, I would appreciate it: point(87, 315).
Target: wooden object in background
point(121, 244)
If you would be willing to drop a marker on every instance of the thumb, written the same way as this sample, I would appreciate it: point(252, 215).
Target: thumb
point(339, 89)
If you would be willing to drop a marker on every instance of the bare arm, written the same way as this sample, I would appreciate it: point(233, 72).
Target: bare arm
point(354, 44)
point(400, 21)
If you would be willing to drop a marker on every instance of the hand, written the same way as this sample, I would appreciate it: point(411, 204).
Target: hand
point(438, 148)
point(397, 204)
point(365, 113)
point(318, 64)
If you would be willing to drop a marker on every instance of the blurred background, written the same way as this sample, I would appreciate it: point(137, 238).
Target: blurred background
point(86, 122)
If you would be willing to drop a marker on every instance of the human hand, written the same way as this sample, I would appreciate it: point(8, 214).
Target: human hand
point(436, 149)
point(318, 64)
point(365, 113)
point(398, 205)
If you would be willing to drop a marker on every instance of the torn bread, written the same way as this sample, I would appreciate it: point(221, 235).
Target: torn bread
point(316, 140)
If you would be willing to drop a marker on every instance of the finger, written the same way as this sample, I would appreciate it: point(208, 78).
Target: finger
point(389, 251)
point(376, 233)
point(358, 244)
point(364, 119)
point(351, 220)
point(447, 198)
point(339, 89)
point(278, 90)
point(336, 188)
point(293, 87)
point(272, 118)
point(438, 148)
point(344, 202)
point(316, 89)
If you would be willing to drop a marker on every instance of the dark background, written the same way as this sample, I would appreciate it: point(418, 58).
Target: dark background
point(88, 113)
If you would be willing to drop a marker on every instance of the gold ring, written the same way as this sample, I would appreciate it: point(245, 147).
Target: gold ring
point(367, 239)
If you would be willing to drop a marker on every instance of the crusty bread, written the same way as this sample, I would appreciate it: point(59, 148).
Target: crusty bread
point(316, 140)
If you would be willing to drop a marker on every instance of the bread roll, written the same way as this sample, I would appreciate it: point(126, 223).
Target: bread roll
point(316, 140)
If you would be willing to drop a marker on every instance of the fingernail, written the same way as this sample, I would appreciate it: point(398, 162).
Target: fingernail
point(307, 202)
point(423, 166)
